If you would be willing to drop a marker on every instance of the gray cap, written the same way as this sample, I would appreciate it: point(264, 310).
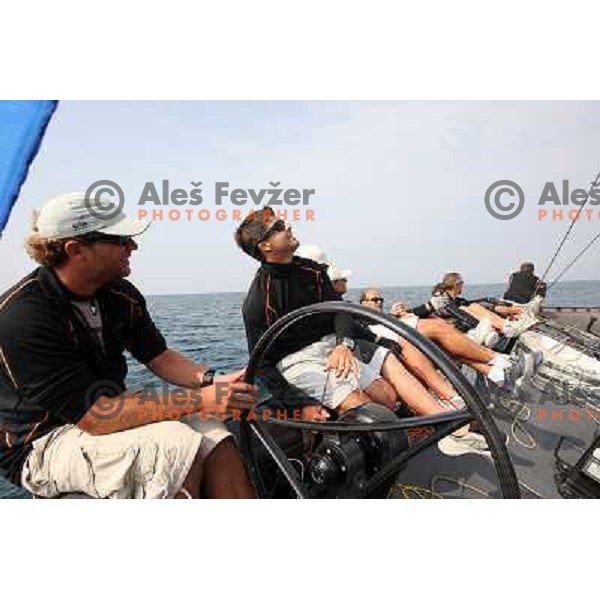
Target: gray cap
point(69, 215)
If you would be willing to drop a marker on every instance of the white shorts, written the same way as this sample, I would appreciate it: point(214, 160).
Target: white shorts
point(371, 354)
point(151, 461)
point(305, 370)
point(378, 358)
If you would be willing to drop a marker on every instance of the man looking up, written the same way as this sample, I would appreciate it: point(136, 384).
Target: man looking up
point(313, 362)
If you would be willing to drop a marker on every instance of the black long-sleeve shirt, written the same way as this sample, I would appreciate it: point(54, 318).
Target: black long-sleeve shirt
point(521, 287)
point(278, 289)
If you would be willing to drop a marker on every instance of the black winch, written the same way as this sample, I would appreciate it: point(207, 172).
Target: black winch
point(343, 462)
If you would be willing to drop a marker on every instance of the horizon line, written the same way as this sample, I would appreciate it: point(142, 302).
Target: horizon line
point(360, 287)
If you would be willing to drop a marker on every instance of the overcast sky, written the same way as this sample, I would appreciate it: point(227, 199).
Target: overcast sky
point(399, 186)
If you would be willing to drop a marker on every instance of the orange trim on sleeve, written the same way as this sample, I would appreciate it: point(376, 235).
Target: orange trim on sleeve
point(35, 427)
point(4, 362)
point(16, 291)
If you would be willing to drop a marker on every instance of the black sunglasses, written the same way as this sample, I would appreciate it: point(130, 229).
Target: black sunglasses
point(274, 227)
point(378, 300)
point(96, 237)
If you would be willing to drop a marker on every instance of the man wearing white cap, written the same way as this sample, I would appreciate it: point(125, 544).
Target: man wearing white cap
point(339, 277)
point(67, 423)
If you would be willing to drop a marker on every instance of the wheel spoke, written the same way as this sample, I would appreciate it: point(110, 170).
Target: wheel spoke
point(280, 458)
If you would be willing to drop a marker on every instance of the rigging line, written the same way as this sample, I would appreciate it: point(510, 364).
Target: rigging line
point(573, 262)
point(593, 185)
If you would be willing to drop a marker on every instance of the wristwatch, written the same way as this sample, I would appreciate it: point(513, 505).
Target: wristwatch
point(348, 342)
point(208, 377)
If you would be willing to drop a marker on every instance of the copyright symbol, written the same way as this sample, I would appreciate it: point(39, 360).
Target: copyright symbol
point(106, 408)
point(107, 208)
point(504, 209)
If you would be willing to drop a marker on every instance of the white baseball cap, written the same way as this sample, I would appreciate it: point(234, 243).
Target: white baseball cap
point(72, 214)
point(315, 253)
point(335, 272)
point(312, 253)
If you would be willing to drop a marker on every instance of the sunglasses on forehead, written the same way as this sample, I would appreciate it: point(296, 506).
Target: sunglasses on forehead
point(274, 227)
point(97, 237)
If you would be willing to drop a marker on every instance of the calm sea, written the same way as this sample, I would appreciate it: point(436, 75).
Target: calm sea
point(209, 327)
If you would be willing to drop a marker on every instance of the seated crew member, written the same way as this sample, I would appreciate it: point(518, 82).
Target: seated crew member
point(388, 358)
point(481, 332)
point(497, 368)
point(313, 363)
point(66, 422)
point(414, 359)
point(339, 279)
point(446, 299)
point(523, 285)
point(459, 442)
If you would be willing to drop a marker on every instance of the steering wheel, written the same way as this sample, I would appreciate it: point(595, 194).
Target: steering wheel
point(443, 424)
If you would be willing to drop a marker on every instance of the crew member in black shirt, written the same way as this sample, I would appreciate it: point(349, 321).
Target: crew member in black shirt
point(313, 362)
point(67, 424)
point(524, 284)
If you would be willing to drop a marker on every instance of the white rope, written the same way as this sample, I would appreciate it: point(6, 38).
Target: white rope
point(521, 414)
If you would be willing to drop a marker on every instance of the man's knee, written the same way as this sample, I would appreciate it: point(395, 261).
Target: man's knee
point(224, 474)
point(391, 368)
point(353, 400)
point(225, 448)
point(382, 392)
point(390, 364)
